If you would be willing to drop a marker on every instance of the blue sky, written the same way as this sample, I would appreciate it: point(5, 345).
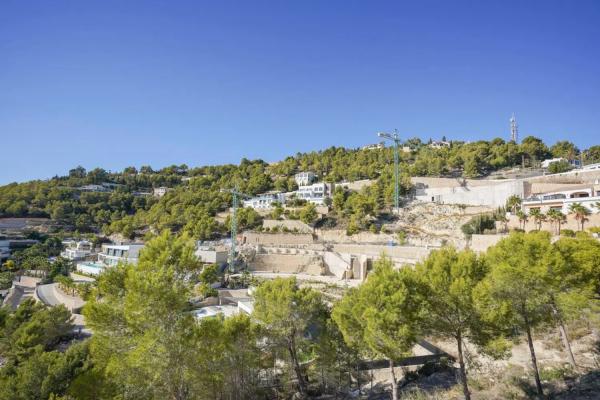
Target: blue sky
point(117, 83)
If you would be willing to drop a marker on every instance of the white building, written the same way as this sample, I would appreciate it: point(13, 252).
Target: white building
point(111, 255)
point(546, 163)
point(210, 254)
point(375, 146)
point(439, 145)
point(305, 178)
point(160, 191)
point(315, 193)
point(77, 250)
point(95, 188)
point(265, 201)
point(469, 192)
point(561, 199)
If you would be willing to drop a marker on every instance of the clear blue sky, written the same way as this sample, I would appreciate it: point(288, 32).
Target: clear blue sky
point(117, 83)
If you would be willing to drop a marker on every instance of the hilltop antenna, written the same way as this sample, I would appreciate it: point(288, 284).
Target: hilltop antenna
point(514, 129)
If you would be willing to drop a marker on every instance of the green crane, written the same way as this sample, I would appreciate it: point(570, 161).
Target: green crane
point(235, 193)
point(396, 139)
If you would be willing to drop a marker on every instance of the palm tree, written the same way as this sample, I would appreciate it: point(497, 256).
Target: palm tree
point(538, 216)
point(597, 205)
point(581, 213)
point(513, 203)
point(556, 216)
point(522, 218)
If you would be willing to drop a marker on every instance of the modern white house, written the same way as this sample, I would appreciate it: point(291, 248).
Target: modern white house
point(546, 163)
point(439, 145)
point(160, 191)
point(375, 146)
point(111, 255)
point(305, 178)
point(315, 193)
point(561, 199)
point(76, 250)
point(265, 200)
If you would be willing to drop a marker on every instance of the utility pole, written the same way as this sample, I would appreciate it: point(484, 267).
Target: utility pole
point(395, 138)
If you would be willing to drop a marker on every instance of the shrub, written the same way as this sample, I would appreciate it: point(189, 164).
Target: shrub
point(567, 232)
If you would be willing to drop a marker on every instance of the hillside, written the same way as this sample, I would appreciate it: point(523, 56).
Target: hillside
point(123, 202)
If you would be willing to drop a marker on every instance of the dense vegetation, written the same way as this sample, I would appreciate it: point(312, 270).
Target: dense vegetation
point(197, 193)
point(147, 345)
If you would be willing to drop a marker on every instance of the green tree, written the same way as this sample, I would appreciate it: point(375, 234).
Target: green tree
point(513, 294)
point(523, 217)
point(556, 217)
point(381, 317)
point(580, 212)
point(449, 279)
point(145, 341)
point(538, 217)
point(513, 203)
point(309, 214)
point(286, 312)
point(564, 149)
point(559, 167)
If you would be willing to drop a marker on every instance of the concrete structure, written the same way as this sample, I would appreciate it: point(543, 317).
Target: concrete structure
point(7, 246)
point(315, 193)
point(265, 200)
point(210, 254)
point(546, 163)
point(160, 191)
point(561, 198)
point(469, 192)
point(95, 188)
point(111, 255)
point(76, 250)
point(305, 178)
point(213, 311)
point(439, 145)
point(375, 146)
point(292, 225)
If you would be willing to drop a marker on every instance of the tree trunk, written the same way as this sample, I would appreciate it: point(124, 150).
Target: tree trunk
point(463, 370)
point(297, 368)
point(563, 335)
point(536, 372)
point(394, 381)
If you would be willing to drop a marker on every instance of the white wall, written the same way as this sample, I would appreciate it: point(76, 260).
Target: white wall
point(494, 194)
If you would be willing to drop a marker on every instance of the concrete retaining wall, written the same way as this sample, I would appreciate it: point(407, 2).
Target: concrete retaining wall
point(290, 224)
point(480, 243)
point(283, 263)
point(73, 303)
point(339, 236)
point(276, 238)
point(401, 253)
point(493, 194)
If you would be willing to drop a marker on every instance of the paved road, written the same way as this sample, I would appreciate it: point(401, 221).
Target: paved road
point(46, 294)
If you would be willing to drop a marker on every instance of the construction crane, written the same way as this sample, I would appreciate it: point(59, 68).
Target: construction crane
point(236, 194)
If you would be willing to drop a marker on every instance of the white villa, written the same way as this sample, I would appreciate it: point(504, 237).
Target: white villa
point(546, 163)
point(111, 255)
point(562, 198)
point(160, 191)
point(305, 178)
point(265, 201)
point(315, 193)
point(77, 250)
